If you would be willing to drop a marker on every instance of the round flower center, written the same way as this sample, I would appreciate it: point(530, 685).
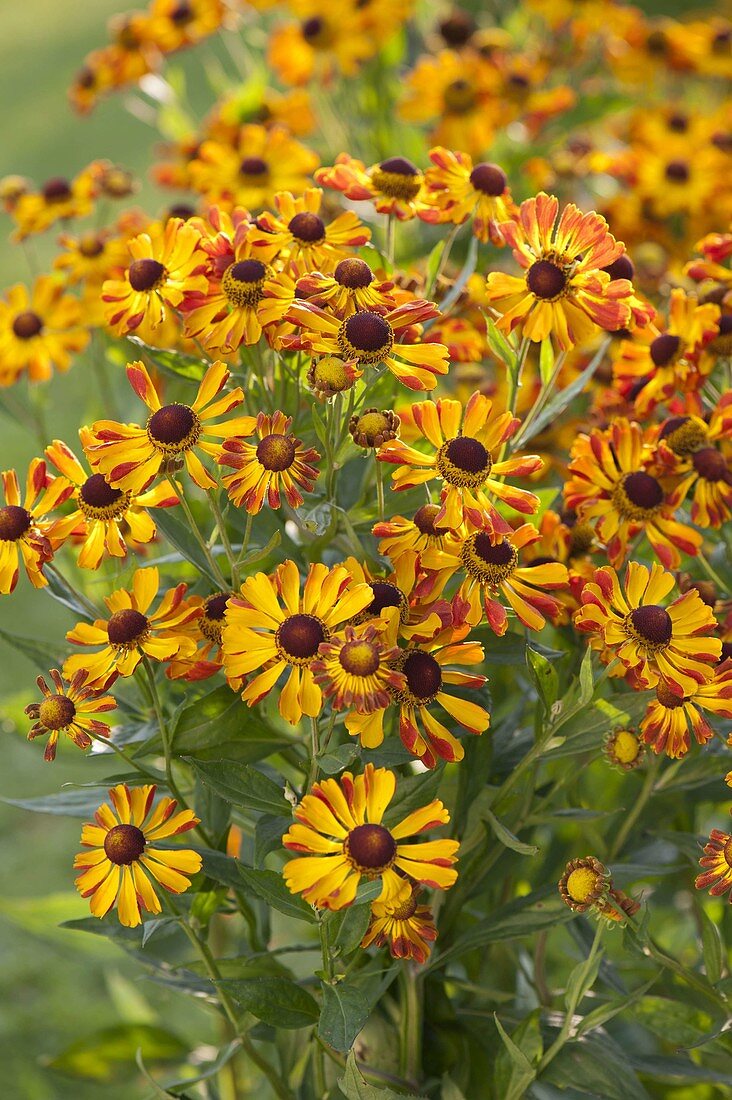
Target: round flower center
point(181, 14)
point(91, 245)
point(664, 348)
point(666, 696)
point(625, 747)
point(359, 658)
point(316, 32)
point(464, 462)
point(637, 495)
point(173, 428)
point(622, 268)
point(329, 374)
point(371, 848)
point(127, 628)
point(582, 884)
point(99, 500)
point(366, 336)
point(397, 178)
point(372, 428)
point(684, 434)
point(14, 522)
point(546, 280)
point(424, 675)
point(307, 227)
point(424, 519)
point(710, 464)
point(486, 561)
point(181, 210)
point(489, 178)
point(298, 638)
point(56, 712)
point(653, 624)
point(276, 452)
point(124, 844)
point(212, 621)
point(27, 325)
point(253, 169)
point(406, 910)
point(460, 97)
point(677, 171)
point(458, 28)
point(145, 274)
point(242, 283)
point(385, 595)
point(353, 273)
point(56, 190)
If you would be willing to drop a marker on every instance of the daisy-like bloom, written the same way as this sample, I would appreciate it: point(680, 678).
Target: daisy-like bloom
point(174, 25)
point(406, 926)
point(624, 749)
point(275, 627)
point(357, 669)
point(702, 451)
point(456, 190)
point(370, 338)
point(330, 375)
point(457, 93)
point(231, 310)
point(658, 363)
point(69, 710)
point(57, 199)
point(717, 861)
point(465, 443)
point(91, 257)
point(276, 464)
point(25, 527)
point(401, 536)
point(131, 633)
point(104, 516)
point(584, 883)
point(395, 186)
point(491, 567)
point(670, 721)
point(654, 642)
point(610, 484)
point(167, 262)
point(351, 288)
point(120, 858)
point(250, 172)
point(40, 330)
point(373, 428)
point(130, 456)
point(325, 41)
point(207, 659)
point(340, 837)
point(304, 237)
point(565, 290)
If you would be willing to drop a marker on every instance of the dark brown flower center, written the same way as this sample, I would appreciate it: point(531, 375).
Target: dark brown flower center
point(493, 553)
point(14, 522)
point(622, 268)
point(397, 178)
point(91, 245)
point(368, 331)
point(468, 454)
point(359, 658)
point(98, 493)
point(424, 519)
point(371, 847)
point(642, 490)
point(353, 273)
point(181, 14)
point(126, 627)
point(458, 28)
point(124, 844)
point(678, 123)
point(57, 189)
point(400, 166)
point(652, 623)
point(182, 210)
point(56, 712)
point(677, 171)
point(423, 673)
point(27, 325)
point(276, 452)
point(385, 595)
point(489, 178)
point(315, 31)
point(664, 348)
point(300, 635)
point(247, 271)
point(710, 464)
point(254, 167)
point(145, 274)
point(726, 651)
point(215, 606)
point(307, 227)
point(460, 97)
point(546, 280)
point(171, 424)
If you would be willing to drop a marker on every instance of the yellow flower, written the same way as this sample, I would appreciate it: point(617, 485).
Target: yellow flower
point(40, 330)
point(174, 25)
point(25, 529)
point(120, 857)
point(406, 926)
point(356, 669)
point(717, 861)
point(670, 720)
point(395, 185)
point(340, 836)
point(456, 189)
point(624, 749)
point(458, 94)
point(58, 199)
point(69, 710)
point(278, 462)
point(350, 289)
point(307, 241)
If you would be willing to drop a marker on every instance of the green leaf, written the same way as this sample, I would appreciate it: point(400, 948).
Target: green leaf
point(179, 536)
point(601, 1015)
point(712, 947)
point(467, 270)
point(678, 1071)
point(544, 676)
point(241, 785)
point(337, 759)
point(522, 1072)
point(42, 655)
point(581, 979)
point(556, 406)
point(546, 360)
point(344, 1013)
point(270, 887)
point(110, 1052)
point(72, 803)
point(276, 1001)
point(676, 1022)
point(507, 838)
point(595, 1067)
point(174, 363)
point(353, 928)
point(221, 868)
point(433, 264)
point(498, 344)
point(353, 1086)
point(220, 725)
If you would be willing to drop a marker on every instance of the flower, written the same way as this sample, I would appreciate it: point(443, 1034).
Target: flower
point(670, 720)
point(624, 749)
point(717, 860)
point(395, 186)
point(402, 537)
point(57, 199)
point(350, 289)
point(702, 452)
point(340, 834)
point(174, 25)
point(130, 456)
point(104, 515)
point(40, 330)
point(612, 485)
point(458, 91)
point(373, 427)
point(655, 643)
point(330, 375)
point(120, 857)
point(25, 530)
point(167, 262)
point(278, 462)
point(69, 710)
point(356, 668)
point(456, 189)
point(130, 633)
point(306, 240)
point(370, 338)
point(565, 290)
point(465, 447)
point(324, 42)
point(406, 926)
point(272, 626)
point(584, 883)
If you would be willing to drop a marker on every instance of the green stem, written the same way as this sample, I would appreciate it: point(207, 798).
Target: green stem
point(221, 524)
point(109, 743)
point(637, 809)
point(411, 1033)
point(540, 402)
point(712, 574)
point(245, 543)
point(390, 238)
point(380, 487)
point(314, 750)
point(568, 1024)
point(449, 242)
point(195, 531)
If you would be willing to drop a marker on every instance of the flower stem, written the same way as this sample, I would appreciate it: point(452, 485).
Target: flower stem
point(380, 487)
point(645, 793)
point(390, 238)
point(411, 1031)
point(195, 531)
point(712, 574)
point(221, 524)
